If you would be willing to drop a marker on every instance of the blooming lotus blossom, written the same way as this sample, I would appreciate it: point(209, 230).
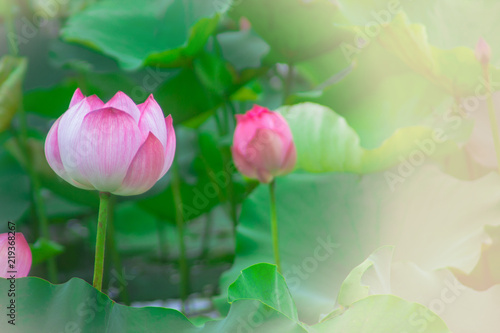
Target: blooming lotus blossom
point(117, 147)
point(16, 247)
point(263, 145)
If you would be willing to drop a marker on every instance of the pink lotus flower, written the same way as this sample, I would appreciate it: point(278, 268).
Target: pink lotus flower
point(117, 147)
point(16, 247)
point(263, 145)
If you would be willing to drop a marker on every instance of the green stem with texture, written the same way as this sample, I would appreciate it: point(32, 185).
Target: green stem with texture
point(274, 225)
point(100, 243)
point(493, 117)
point(179, 220)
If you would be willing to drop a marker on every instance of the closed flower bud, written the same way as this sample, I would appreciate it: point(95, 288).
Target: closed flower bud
point(263, 145)
point(117, 147)
point(15, 255)
point(483, 52)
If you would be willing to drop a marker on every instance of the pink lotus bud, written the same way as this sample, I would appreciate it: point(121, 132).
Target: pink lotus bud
point(117, 147)
point(15, 255)
point(483, 51)
point(263, 145)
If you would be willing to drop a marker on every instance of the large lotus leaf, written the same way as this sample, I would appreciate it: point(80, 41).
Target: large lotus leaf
point(382, 314)
point(371, 277)
point(463, 309)
point(325, 142)
point(160, 32)
point(295, 29)
point(75, 305)
point(377, 96)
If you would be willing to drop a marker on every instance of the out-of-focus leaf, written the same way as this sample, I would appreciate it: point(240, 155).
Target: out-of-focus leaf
point(323, 139)
point(374, 97)
point(376, 269)
point(51, 102)
point(243, 49)
point(213, 73)
point(486, 273)
point(44, 249)
point(325, 142)
point(82, 307)
point(12, 71)
point(296, 29)
point(184, 97)
point(14, 190)
point(156, 32)
point(382, 314)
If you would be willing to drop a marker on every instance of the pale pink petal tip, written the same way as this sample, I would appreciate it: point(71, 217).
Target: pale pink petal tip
point(124, 103)
point(77, 97)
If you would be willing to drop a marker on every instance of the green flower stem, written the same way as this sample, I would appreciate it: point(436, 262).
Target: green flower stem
point(493, 117)
point(101, 239)
point(206, 236)
point(179, 220)
point(274, 225)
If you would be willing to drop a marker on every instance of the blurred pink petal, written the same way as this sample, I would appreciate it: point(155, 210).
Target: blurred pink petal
point(242, 164)
point(22, 256)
